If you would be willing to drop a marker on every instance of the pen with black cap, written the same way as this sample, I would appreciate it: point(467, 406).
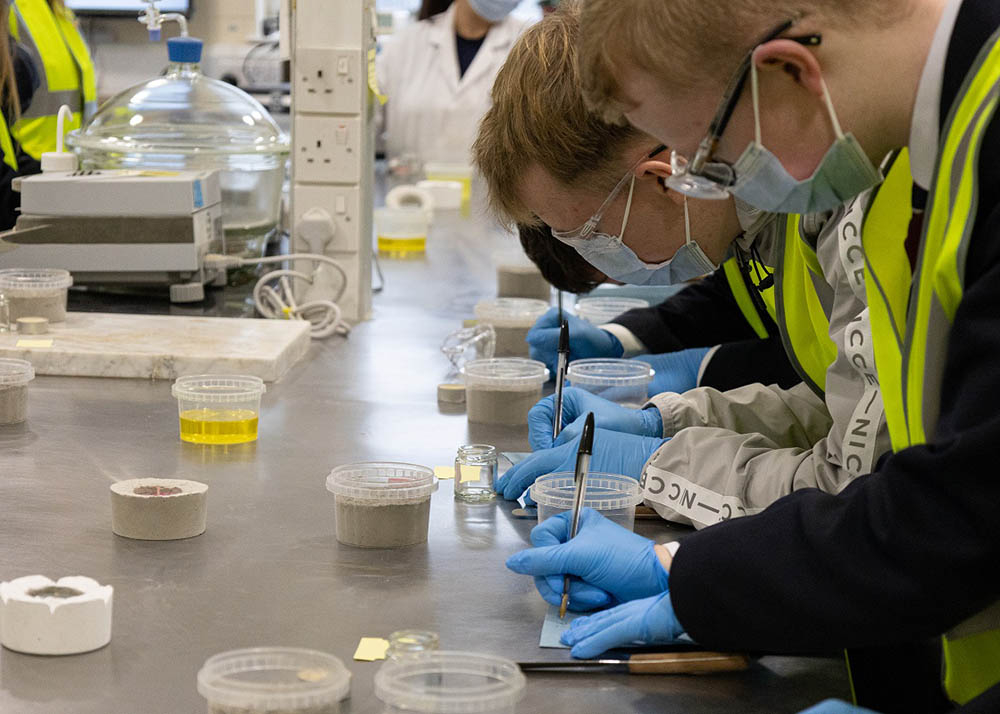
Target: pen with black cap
point(562, 363)
point(580, 482)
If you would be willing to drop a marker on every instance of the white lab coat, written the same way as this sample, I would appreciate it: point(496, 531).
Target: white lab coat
point(430, 111)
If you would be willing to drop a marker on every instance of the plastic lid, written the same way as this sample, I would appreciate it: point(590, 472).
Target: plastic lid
point(264, 679)
point(408, 221)
point(445, 682)
point(446, 169)
point(387, 482)
point(609, 372)
point(513, 373)
point(218, 388)
point(15, 372)
point(600, 310)
point(184, 49)
point(511, 312)
point(603, 492)
point(22, 282)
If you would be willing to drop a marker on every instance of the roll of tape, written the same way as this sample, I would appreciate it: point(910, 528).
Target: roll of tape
point(42, 616)
point(411, 197)
point(158, 508)
point(447, 195)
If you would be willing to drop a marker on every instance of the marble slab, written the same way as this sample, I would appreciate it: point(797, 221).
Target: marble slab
point(91, 344)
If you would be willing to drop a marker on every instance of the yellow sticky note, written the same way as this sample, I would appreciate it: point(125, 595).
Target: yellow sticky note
point(34, 343)
point(373, 77)
point(371, 649)
point(444, 473)
point(469, 473)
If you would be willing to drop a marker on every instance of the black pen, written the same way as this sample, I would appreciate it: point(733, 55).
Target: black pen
point(580, 481)
point(561, 364)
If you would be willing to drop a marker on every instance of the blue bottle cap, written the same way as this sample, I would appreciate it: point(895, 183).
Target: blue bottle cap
point(184, 49)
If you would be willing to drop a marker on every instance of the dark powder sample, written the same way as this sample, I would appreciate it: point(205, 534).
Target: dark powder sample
point(55, 591)
point(369, 525)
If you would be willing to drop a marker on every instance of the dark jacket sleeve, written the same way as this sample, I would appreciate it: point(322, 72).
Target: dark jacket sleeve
point(736, 364)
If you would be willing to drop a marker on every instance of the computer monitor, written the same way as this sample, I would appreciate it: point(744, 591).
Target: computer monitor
point(124, 7)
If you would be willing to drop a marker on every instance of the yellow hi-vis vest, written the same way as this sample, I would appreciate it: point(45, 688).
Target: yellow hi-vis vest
point(791, 301)
point(916, 322)
point(7, 145)
point(65, 68)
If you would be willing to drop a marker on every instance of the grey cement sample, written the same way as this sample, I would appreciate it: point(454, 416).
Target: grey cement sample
point(366, 524)
point(138, 512)
point(510, 342)
point(522, 282)
point(500, 406)
point(13, 404)
point(51, 307)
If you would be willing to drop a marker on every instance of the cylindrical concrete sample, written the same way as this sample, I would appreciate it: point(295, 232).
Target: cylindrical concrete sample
point(32, 325)
point(45, 617)
point(158, 508)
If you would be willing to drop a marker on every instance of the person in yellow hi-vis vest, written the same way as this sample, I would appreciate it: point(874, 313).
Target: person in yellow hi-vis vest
point(47, 30)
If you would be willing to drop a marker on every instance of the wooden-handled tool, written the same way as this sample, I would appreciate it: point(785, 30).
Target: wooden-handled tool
point(654, 663)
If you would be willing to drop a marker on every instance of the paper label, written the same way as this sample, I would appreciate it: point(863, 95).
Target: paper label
point(371, 649)
point(34, 343)
point(446, 473)
point(373, 77)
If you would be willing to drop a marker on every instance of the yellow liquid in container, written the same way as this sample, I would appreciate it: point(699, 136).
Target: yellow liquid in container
point(218, 426)
point(411, 247)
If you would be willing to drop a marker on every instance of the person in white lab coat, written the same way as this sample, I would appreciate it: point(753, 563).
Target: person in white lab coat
point(437, 75)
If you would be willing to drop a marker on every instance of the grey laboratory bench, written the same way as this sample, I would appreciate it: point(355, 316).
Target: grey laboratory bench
point(269, 571)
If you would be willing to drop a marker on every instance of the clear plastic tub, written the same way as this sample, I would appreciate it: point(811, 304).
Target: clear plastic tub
point(511, 318)
point(411, 643)
point(36, 293)
point(382, 504)
point(623, 381)
point(446, 682)
point(274, 680)
point(452, 171)
point(517, 276)
point(218, 408)
point(602, 310)
point(14, 377)
point(401, 232)
point(613, 495)
point(502, 391)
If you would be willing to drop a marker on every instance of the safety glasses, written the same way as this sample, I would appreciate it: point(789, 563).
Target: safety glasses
point(590, 226)
point(704, 176)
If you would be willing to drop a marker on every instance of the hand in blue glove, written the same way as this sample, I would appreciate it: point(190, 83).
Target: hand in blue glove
point(576, 404)
point(650, 621)
point(615, 564)
point(835, 706)
point(585, 340)
point(675, 371)
point(614, 453)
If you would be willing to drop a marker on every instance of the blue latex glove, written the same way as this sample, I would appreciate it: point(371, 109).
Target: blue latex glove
point(585, 340)
point(835, 706)
point(576, 404)
point(614, 453)
point(675, 371)
point(615, 564)
point(650, 621)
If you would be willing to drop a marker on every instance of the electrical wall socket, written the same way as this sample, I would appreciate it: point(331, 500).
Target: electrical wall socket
point(329, 81)
point(343, 204)
point(327, 149)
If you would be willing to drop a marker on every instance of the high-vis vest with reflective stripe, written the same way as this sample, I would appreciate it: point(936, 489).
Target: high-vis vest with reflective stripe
point(912, 402)
point(7, 145)
point(65, 69)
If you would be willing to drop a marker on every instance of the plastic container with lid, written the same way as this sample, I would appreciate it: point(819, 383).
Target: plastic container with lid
point(382, 504)
point(623, 381)
point(218, 408)
point(274, 680)
point(446, 682)
point(503, 390)
point(452, 171)
point(185, 120)
point(602, 310)
point(401, 232)
point(517, 276)
point(40, 292)
point(14, 377)
point(613, 495)
point(411, 643)
point(511, 318)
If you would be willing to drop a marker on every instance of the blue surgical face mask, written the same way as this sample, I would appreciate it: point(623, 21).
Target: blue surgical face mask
point(612, 257)
point(493, 10)
point(763, 182)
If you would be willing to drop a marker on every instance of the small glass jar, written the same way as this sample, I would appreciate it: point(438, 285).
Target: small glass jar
point(4, 314)
point(407, 643)
point(475, 473)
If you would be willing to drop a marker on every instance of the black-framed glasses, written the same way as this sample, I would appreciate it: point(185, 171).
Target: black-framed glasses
point(703, 177)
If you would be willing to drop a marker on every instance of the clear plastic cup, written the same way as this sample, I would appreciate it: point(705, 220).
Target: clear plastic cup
point(452, 171)
point(14, 377)
point(218, 408)
point(401, 232)
point(274, 680)
point(602, 310)
point(511, 318)
point(613, 495)
point(382, 504)
point(623, 381)
point(517, 276)
point(411, 643)
point(36, 293)
point(503, 390)
point(446, 682)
